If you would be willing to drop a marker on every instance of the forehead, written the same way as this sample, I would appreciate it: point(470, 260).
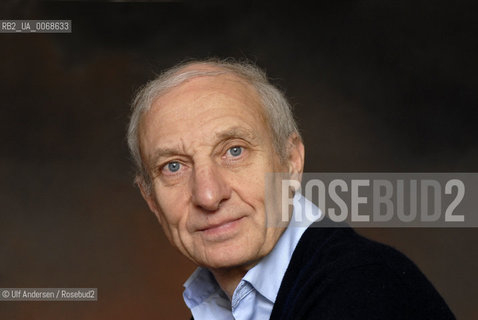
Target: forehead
point(225, 84)
point(224, 91)
point(199, 106)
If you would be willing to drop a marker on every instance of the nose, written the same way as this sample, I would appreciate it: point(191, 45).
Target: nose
point(209, 187)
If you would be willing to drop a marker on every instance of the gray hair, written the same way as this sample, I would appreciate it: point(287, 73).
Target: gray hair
point(277, 109)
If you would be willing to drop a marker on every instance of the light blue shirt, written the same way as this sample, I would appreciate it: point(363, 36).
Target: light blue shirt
point(256, 293)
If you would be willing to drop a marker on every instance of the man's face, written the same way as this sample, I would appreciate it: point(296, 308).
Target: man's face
point(207, 147)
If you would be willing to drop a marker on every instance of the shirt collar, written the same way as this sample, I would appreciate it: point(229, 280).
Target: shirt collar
point(199, 287)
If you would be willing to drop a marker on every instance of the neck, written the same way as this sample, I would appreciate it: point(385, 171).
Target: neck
point(229, 278)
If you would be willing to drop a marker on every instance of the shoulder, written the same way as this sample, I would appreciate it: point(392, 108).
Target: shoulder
point(336, 272)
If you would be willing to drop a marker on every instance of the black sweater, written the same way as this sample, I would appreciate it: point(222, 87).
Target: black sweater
point(335, 273)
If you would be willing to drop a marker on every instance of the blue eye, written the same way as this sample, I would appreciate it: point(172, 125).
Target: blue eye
point(174, 166)
point(235, 151)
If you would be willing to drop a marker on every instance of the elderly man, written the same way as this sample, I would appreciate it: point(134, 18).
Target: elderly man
point(203, 135)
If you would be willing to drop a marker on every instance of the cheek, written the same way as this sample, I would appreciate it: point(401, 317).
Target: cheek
point(253, 179)
point(173, 208)
point(250, 187)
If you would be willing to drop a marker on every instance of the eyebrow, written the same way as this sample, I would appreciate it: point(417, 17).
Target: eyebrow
point(236, 132)
point(224, 135)
point(162, 152)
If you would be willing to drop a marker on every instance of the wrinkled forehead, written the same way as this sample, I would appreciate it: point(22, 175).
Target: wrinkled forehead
point(206, 96)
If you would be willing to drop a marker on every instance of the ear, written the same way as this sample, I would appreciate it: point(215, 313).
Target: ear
point(295, 154)
point(148, 196)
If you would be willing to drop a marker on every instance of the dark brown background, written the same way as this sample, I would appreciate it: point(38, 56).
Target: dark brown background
point(376, 85)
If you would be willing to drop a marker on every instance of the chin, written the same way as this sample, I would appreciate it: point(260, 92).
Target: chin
point(228, 259)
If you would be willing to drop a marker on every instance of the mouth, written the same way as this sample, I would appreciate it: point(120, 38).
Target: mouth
point(222, 230)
